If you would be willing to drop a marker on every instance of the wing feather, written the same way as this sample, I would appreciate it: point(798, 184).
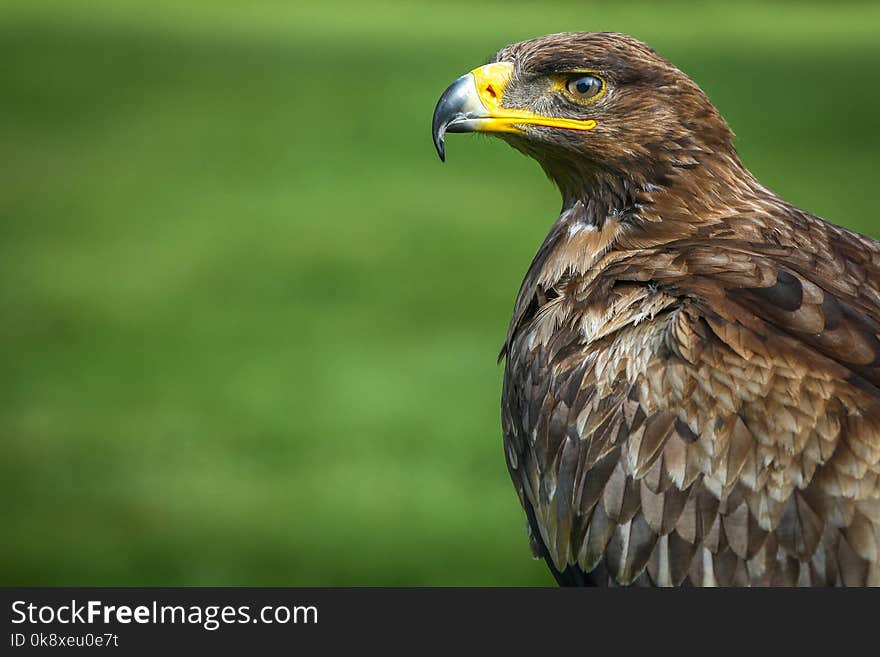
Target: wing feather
point(703, 413)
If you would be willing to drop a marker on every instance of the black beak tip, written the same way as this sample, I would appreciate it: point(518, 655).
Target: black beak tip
point(438, 132)
point(449, 109)
point(440, 145)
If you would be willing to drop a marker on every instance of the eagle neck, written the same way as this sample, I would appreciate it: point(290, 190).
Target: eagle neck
point(598, 198)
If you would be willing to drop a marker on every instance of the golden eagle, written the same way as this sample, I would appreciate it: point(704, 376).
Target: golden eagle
point(692, 383)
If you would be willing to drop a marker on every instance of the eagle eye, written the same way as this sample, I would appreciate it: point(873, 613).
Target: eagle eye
point(585, 86)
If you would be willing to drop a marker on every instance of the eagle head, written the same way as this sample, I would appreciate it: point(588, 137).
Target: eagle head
point(588, 104)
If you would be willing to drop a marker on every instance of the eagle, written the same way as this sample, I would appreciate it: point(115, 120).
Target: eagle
point(691, 390)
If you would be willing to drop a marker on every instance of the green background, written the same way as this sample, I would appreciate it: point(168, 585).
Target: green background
point(249, 321)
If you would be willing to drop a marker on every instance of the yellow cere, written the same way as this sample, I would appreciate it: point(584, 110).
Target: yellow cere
point(491, 80)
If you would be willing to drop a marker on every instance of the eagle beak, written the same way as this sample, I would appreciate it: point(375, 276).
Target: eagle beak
point(473, 104)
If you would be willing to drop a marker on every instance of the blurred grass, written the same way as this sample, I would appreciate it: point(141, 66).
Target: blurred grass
point(249, 322)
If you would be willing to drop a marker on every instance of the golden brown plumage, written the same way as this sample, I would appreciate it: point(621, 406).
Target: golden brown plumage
point(692, 385)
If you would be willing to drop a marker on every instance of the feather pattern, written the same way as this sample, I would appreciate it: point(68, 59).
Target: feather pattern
point(692, 381)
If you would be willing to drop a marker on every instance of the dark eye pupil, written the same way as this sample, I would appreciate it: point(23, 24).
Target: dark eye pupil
point(585, 87)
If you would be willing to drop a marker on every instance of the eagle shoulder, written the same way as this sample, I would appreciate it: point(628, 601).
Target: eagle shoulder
point(671, 417)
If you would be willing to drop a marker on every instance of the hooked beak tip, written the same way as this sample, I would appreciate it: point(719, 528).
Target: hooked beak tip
point(440, 143)
point(457, 104)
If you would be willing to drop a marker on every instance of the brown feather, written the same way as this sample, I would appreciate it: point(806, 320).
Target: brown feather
point(692, 377)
